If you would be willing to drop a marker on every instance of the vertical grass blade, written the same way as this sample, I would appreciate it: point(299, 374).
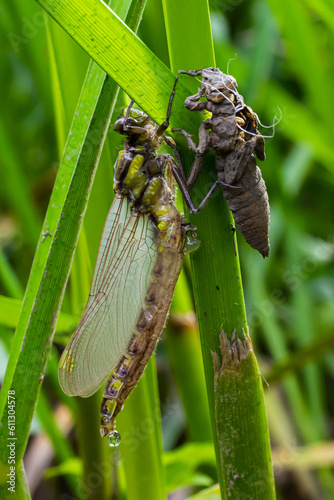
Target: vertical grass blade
point(181, 341)
point(245, 455)
point(218, 289)
point(33, 338)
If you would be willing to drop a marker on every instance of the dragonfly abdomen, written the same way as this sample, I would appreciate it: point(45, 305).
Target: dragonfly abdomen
point(149, 326)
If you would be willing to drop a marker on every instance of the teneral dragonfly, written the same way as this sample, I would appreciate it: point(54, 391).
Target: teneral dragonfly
point(138, 263)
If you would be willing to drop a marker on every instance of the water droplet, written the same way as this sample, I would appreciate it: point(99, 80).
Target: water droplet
point(114, 438)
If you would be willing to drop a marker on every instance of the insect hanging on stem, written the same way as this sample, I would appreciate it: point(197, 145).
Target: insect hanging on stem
point(231, 132)
point(138, 263)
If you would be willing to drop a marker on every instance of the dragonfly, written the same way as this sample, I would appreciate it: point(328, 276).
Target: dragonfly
point(139, 260)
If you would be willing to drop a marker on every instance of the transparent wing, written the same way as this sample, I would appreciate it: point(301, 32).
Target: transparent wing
point(121, 278)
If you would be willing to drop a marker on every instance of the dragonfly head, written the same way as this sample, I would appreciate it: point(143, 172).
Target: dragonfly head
point(139, 129)
point(132, 123)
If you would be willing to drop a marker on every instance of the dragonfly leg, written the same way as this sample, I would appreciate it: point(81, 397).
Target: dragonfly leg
point(128, 111)
point(196, 72)
point(131, 128)
point(192, 146)
point(181, 172)
point(211, 191)
point(203, 147)
point(200, 150)
point(193, 102)
point(164, 126)
point(183, 188)
point(195, 170)
point(178, 173)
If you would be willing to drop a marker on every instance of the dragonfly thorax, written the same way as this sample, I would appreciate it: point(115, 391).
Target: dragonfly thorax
point(140, 177)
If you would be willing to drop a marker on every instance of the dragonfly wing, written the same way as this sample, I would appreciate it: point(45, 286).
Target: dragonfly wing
point(121, 278)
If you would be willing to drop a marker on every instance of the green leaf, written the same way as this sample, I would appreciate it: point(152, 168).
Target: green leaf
point(122, 55)
point(181, 465)
point(212, 493)
point(69, 466)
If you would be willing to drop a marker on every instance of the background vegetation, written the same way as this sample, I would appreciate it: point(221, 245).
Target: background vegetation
point(283, 60)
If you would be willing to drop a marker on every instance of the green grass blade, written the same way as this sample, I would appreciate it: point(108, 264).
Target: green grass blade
point(245, 452)
point(183, 347)
point(52, 262)
point(110, 42)
point(219, 295)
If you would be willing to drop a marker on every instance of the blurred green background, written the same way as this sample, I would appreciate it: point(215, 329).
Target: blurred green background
point(281, 54)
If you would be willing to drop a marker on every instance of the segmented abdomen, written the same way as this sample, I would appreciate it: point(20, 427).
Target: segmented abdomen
point(250, 207)
point(151, 320)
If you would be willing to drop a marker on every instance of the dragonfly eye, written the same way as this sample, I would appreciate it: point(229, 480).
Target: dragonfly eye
point(118, 126)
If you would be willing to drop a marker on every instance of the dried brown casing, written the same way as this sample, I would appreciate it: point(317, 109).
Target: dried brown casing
point(250, 207)
point(232, 133)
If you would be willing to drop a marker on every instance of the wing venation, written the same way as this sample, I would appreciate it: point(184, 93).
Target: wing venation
point(121, 277)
